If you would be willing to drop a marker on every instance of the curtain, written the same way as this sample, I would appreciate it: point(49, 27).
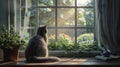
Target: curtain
point(109, 22)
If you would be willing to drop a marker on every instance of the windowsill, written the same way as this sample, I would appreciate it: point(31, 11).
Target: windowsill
point(70, 62)
point(63, 53)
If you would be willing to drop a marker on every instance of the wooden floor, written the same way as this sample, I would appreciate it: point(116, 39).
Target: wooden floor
point(70, 62)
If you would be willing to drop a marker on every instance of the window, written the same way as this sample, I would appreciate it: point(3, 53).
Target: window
point(65, 18)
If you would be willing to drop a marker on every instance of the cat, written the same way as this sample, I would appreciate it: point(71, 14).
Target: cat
point(37, 50)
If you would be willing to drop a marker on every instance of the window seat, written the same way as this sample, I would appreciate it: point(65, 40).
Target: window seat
point(68, 62)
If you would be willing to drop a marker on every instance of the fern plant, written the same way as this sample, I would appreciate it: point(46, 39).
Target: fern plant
point(9, 39)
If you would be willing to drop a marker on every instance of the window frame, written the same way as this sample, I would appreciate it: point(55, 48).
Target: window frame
point(56, 20)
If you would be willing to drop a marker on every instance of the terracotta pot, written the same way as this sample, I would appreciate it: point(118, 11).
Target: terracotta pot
point(10, 55)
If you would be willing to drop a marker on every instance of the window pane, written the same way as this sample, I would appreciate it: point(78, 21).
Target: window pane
point(51, 32)
point(23, 3)
point(85, 17)
point(65, 39)
point(32, 32)
point(51, 35)
point(66, 17)
point(18, 3)
point(83, 31)
point(70, 33)
point(33, 3)
point(22, 16)
point(26, 3)
point(29, 18)
point(46, 2)
point(27, 33)
point(66, 2)
point(85, 2)
point(47, 16)
point(51, 39)
point(85, 35)
point(33, 17)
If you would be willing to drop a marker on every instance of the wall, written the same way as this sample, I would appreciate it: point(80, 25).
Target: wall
point(3, 12)
point(6, 14)
point(3, 16)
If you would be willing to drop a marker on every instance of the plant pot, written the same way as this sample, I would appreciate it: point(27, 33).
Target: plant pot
point(10, 55)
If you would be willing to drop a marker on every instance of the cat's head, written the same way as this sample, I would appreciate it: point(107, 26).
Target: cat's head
point(42, 30)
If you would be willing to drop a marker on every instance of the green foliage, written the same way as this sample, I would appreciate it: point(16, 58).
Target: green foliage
point(89, 38)
point(9, 39)
point(81, 19)
point(46, 2)
point(64, 42)
point(85, 43)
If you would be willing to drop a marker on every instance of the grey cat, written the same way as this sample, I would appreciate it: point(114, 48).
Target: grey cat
point(37, 50)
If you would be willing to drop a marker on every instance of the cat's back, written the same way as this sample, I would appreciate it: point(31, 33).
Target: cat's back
point(36, 40)
point(30, 47)
point(35, 43)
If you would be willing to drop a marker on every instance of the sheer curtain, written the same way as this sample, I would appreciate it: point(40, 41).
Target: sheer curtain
point(22, 15)
point(108, 16)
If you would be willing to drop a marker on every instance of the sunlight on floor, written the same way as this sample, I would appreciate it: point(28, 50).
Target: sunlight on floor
point(64, 61)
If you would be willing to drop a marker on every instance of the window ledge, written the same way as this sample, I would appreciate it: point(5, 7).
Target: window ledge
point(70, 62)
point(63, 53)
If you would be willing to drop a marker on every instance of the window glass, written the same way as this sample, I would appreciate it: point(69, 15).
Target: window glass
point(33, 3)
point(47, 16)
point(33, 17)
point(51, 36)
point(66, 2)
point(46, 2)
point(85, 2)
point(85, 36)
point(23, 3)
point(22, 16)
point(85, 17)
point(65, 38)
point(66, 17)
point(70, 33)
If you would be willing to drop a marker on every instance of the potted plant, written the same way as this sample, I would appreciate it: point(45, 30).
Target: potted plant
point(10, 42)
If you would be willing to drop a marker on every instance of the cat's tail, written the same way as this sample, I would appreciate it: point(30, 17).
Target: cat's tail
point(34, 59)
